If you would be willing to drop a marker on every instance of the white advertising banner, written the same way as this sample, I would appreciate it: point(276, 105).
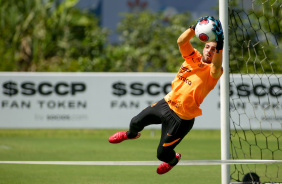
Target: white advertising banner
point(255, 102)
point(110, 100)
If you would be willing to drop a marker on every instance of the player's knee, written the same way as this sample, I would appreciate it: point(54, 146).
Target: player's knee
point(135, 125)
point(134, 122)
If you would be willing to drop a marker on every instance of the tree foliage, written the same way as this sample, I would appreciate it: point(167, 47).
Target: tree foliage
point(46, 36)
point(255, 37)
point(148, 42)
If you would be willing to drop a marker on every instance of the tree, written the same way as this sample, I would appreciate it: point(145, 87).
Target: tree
point(48, 36)
point(148, 42)
point(255, 37)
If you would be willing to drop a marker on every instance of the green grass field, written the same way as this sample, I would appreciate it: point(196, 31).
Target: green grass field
point(92, 145)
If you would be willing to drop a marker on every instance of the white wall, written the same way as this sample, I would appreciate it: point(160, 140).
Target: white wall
point(110, 100)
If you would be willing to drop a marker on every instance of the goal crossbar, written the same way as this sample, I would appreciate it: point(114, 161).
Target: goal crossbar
point(183, 162)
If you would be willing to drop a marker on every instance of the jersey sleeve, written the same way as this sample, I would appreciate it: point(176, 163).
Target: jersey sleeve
point(196, 54)
point(213, 81)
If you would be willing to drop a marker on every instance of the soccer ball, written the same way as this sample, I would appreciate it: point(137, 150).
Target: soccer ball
point(204, 31)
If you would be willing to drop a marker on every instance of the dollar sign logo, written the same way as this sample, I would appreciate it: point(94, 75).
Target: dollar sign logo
point(10, 88)
point(119, 89)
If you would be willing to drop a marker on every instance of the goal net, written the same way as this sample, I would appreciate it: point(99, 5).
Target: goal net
point(255, 64)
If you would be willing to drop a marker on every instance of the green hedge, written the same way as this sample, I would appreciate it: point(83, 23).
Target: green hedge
point(47, 36)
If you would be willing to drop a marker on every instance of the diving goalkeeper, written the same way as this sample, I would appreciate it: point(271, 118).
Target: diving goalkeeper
point(176, 112)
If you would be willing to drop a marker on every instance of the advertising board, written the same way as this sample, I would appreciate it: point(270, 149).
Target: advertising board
point(110, 100)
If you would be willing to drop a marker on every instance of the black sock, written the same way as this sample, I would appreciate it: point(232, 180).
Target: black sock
point(173, 162)
point(131, 135)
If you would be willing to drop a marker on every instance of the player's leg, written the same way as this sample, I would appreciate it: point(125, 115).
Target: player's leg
point(118, 137)
point(172, 134)
point(148, 116)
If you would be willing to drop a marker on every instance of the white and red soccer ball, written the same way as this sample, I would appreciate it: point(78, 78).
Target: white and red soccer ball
point(203, 31)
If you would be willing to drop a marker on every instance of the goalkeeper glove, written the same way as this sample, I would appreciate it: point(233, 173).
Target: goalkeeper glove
point(199, 20)
point(218, 31)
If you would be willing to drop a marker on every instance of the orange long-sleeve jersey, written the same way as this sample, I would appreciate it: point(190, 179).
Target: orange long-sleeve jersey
point(190, 86)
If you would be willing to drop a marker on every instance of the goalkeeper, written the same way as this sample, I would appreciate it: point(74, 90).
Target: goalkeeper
point(176, 113)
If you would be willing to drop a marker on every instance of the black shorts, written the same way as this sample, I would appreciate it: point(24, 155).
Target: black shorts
point(174, 129)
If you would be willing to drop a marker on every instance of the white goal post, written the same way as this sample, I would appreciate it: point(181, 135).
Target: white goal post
point(224, 95)
point(251, 114)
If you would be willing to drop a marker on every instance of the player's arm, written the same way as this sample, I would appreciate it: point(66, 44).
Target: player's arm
point(184, 44)
point(216, 64)
point(183, 41)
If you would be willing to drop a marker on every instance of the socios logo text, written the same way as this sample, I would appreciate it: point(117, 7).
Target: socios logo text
point(139, 88)
point(258, 90)
point(12, 88)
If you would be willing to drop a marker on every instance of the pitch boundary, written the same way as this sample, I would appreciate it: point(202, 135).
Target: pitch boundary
point(183, 162)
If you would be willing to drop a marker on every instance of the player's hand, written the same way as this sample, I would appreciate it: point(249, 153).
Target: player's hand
point(219, 33)
point(211, 18)
point(202, 18)
point(193, 27)
point(199, 20)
